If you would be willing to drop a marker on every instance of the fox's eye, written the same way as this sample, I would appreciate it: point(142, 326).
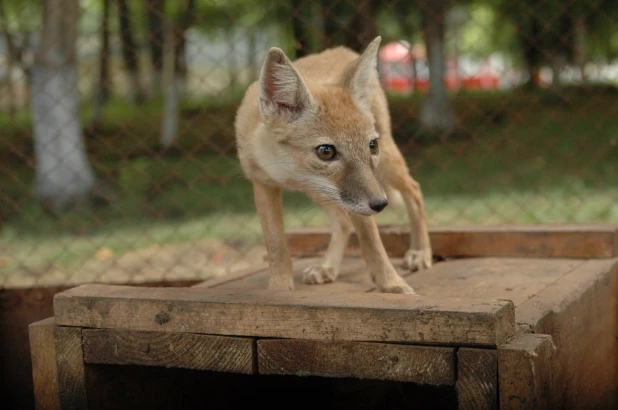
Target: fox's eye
point(326, 152)
point(373, 147)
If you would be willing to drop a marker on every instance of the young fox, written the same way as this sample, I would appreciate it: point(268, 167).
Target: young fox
point(321, 125)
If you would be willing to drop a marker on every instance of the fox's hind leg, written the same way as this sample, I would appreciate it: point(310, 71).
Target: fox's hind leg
point(328, 269)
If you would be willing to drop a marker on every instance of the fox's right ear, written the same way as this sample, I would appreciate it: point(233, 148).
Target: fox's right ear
point(283, 93)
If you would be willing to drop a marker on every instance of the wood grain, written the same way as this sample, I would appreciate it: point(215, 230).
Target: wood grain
point(515, 279)
point(70, 362)
point(233, 276)
point(44, 368)
point(352, 278)
point(580, 312)
point(378, 361)
point(526, 373)
point(477, 378)
point(289, 314)
point(545, 241)
point(181, 350)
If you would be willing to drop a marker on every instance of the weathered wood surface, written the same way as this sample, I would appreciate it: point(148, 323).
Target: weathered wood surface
point(233, 276)
point(353, 277)
point(477, 379)
point(379, 361)
point(181, 350)
point(70, 365)
point(525, 372)
point(515, 279)
point(289, 314)
point(581, 313)
point(44, 368)
point(544, 241)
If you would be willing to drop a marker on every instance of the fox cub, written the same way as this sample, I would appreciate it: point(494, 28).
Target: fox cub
point(321, 125)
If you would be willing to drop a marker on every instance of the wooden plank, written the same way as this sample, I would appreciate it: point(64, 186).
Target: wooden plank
point(352, 278)
point(536, 312)
point(525, 372)
point(289, 314)
point(44, 368)
point(378, 361)
point(515, 279)
point(580, 312)
point(70, 363)
point(477, 379)
point(232, 277)
point(180, 350)
point(545, 241)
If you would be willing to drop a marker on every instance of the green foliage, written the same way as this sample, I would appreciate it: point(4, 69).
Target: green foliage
point(22, 16)
point(539, 163)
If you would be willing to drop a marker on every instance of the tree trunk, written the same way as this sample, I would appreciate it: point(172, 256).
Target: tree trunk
point(171, 106)
point(232, 58)
point(579, 46)
point(180, 45)
point(300, 28)
point(436, 112)
point(104, 80)
point(64, 176)
point(252, 64)
point(156, 11)
point(364, 25)
point(530, 39)
point(333, 20)
point(404, 12)
point(130, 54)
point(10, 59)
point(104, 85)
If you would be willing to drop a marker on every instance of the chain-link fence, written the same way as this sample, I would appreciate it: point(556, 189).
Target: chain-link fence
point(117, 151)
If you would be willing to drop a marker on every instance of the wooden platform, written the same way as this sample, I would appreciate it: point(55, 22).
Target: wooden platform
point(513, 317)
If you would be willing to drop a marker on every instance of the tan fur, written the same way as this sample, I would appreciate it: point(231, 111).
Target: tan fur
point(332, 98)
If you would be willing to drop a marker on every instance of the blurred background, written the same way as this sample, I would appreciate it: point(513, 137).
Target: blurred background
point(117, 151)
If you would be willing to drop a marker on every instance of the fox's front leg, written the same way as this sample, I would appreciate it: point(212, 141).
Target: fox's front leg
point(269, 204)
point(380, 267)
point(419, 255)
point(328, 270)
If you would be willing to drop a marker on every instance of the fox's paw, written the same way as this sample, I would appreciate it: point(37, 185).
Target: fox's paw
point(281, 283)
point(395, 284)
point(399, 288)
point(316, 274)
point(417, 260)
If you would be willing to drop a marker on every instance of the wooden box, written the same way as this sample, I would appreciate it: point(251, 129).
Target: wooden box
point(511, 318)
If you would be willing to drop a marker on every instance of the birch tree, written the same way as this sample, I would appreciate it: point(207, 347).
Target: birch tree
point(436, 112)
point(63, 174)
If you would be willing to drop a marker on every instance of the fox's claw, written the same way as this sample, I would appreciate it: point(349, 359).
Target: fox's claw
point(417, 260)
point(316, 274)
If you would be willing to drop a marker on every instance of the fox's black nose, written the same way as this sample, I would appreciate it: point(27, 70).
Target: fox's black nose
point(378, 204)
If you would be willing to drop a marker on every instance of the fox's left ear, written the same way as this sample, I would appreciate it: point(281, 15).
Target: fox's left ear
point(283, 92)
point(360, 73)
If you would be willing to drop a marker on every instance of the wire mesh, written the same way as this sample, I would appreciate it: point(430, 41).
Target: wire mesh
point(125, 171)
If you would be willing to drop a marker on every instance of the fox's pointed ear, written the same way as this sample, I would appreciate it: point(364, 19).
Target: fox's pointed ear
point(360, 73)
point(283, 93)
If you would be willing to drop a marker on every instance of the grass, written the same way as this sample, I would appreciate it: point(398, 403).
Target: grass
point(518, 158)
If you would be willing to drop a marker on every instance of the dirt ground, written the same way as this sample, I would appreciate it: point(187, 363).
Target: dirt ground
point(192, 261)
